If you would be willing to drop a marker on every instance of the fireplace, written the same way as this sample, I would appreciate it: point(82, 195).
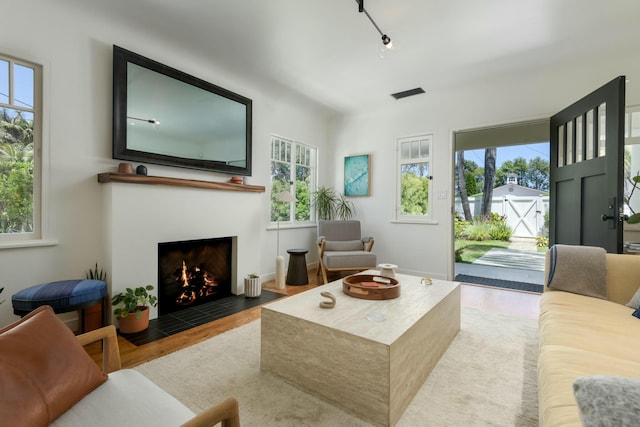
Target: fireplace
point(193, 272)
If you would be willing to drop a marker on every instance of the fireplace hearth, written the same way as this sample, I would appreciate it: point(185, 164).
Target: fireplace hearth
point(193, 272)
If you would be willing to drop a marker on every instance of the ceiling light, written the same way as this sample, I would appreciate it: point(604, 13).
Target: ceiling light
point(386, 40)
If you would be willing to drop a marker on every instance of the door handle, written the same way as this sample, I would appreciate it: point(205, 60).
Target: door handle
point(605, 217)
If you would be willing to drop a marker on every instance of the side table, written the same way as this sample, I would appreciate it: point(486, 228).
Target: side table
point(297, 271)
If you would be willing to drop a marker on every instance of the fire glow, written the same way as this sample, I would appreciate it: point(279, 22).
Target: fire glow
point(196, 283)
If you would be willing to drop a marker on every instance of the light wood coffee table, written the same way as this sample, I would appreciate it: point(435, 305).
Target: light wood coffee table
point(367, 357)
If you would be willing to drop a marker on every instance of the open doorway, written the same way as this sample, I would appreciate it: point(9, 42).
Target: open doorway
point(501, 205)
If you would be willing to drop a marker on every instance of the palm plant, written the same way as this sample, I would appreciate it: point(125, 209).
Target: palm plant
point(344, 208)
point(330, 205)
point(324, 200)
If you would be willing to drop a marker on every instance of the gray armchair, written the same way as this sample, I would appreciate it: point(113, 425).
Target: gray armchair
point(341, 247)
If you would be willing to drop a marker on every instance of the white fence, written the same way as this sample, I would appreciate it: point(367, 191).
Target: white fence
point(525, 215)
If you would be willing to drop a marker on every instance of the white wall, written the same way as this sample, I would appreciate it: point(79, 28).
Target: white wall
point(428, 249)
point(76, 51)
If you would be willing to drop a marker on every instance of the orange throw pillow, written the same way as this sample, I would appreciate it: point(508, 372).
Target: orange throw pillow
point(44, 370)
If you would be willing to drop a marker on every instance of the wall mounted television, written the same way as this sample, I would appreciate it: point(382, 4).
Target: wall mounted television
point(164, 116)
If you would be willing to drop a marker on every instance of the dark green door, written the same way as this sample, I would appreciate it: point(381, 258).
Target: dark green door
point(586, 170)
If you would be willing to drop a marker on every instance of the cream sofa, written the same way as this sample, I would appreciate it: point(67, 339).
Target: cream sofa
point(583, 336)
point(47, 378)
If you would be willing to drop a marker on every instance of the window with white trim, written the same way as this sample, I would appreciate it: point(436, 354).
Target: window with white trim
point(20, 146)
point(293, 170)
point(413, 201)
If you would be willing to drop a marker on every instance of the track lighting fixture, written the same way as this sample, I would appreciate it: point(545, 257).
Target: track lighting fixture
point(386, 40)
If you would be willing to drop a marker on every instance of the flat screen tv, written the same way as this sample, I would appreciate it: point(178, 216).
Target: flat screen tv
point(164, 116)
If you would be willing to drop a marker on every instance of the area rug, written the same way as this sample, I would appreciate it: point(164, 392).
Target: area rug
point(487, 377)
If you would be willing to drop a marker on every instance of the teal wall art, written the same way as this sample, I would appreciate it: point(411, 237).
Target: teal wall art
point(357, 179)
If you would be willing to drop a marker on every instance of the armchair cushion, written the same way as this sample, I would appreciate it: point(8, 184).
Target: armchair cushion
point(44, 369)
point(351, 259)
point(340, 229)
point(343, 245)
point(128, 398)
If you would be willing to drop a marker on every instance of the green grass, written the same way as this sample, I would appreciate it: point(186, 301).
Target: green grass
point(468, 251)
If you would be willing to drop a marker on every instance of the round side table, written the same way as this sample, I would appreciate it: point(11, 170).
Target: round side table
point(297, 271)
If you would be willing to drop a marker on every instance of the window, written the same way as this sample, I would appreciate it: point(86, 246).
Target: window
point(413, 201)
point(20, 142)
point(293, 164)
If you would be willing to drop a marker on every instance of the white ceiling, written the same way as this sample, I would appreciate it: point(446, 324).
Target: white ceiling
point(328, 51)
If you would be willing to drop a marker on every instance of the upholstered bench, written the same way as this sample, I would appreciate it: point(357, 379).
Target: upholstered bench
point(63, 296)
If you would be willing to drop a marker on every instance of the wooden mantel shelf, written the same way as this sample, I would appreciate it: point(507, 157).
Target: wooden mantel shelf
point(176, 182)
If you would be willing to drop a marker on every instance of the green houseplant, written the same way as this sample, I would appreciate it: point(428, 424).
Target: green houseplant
point(331, 205)
point(133, 301)
point(97, 274)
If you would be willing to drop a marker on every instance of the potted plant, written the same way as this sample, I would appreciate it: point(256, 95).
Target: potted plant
point(133, 315)
point(252, 286)
point(329, 204)
point(97, 274)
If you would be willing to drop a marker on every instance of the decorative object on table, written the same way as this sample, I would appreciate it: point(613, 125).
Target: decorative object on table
point(367, 286)
point(252, 286)
point(426, 281)
point(283, 196)
point(133, 316)
point(141, 170)
point(357, 179)
point(125, 168)
point(387, 270)
point(328, 304)
point(236, 180)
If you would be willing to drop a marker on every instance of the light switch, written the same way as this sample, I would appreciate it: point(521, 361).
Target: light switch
point(442, 194)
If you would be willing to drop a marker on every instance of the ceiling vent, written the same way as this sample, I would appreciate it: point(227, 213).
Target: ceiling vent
point(410, 92)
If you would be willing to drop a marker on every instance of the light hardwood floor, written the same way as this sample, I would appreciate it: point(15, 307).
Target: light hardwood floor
point(486, 298)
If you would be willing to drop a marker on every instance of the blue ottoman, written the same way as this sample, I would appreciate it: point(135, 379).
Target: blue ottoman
point(63, 296)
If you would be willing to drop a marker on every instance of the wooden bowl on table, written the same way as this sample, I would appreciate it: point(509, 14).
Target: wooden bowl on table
point(368, 286)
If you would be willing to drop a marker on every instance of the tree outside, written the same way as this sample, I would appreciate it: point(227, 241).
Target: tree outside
point(415, 189)
point(280, 181)
point(476, 235)
point(16, 172)
point(533, 173)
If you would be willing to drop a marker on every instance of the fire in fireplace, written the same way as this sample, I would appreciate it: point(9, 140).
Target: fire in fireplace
point(193, 272)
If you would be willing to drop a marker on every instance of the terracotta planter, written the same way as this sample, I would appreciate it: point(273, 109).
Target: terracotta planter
point(132, 324)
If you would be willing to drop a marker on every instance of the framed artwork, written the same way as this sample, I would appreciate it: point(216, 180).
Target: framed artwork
point(357, 180)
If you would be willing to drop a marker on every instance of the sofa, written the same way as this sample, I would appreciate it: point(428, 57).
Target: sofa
point(587, 343)
point(47, 378)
